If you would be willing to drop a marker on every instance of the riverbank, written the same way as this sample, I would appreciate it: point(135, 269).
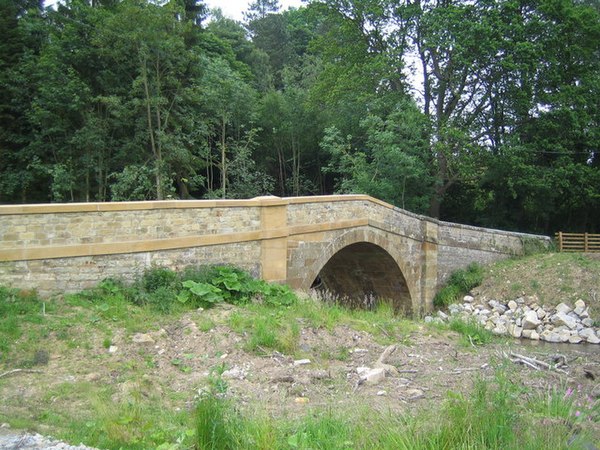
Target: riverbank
point(103, 371)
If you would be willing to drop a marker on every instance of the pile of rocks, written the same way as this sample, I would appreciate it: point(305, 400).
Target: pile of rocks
point(525, 318)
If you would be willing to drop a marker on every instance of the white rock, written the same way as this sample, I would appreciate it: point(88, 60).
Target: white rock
point(500, 329)
point(575, 340)
point(515, 331)
point(373, 376)
point(530, 320)
point(442, 315)
point(428, 319)
point(589, 335)
point(301, 362)
point(585, 313)
point(113, 349)
point(512, 305)
point(381, 393)
point(587, 322)
point(580, 304)
point(527, 333)
point(541, 313)
point(550, 336)
point(362, 370)
point(562, 319)
point(234, 373)
point(564, 335)
point(142, 338)
point(485, 312)
point(455, 309)
point(520, 300)
point(561, 307)
point(468, 299)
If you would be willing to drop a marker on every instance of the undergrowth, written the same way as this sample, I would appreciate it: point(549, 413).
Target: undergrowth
point(492, 416)
point(459, 284)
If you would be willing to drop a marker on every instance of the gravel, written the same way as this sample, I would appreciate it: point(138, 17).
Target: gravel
point(34, 441)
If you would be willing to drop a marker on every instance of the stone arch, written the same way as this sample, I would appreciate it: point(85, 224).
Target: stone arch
point(361, 262)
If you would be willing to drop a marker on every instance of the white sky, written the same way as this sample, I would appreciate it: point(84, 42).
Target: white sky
point(234, 8)
point(231, 8)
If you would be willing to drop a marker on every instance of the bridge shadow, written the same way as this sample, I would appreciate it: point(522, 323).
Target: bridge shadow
point(362, 274)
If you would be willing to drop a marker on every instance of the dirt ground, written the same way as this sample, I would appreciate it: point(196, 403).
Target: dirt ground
point(179, 361)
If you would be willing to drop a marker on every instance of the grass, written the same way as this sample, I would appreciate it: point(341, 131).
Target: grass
point(459, 284)
point(492, 416)
point(130, 413)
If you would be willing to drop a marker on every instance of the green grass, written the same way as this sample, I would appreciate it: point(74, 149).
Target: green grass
point(492, 416)
point(459, 284)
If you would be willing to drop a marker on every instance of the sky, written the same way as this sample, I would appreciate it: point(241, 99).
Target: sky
point(234, 8)
point(231, 8)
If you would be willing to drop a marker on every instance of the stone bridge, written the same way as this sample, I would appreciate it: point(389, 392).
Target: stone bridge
point(353, 245)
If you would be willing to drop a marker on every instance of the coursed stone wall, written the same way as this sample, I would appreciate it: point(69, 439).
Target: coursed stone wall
point(68, 247)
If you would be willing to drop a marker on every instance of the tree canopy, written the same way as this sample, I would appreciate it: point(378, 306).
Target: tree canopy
point(483, 112)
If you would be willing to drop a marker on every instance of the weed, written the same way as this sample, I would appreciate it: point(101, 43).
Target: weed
point(459, 284)
point(159, 278)
point(472, 332)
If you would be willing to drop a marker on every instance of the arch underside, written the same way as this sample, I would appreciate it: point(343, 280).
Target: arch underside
point(361, 274)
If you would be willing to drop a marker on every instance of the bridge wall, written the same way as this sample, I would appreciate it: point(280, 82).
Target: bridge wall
point(68, 247)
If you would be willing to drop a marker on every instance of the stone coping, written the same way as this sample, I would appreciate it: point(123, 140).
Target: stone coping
point(46, 208)
point(54, 208)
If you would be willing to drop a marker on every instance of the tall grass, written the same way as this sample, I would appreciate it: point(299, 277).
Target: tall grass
point(493, 416)
point(459, 284)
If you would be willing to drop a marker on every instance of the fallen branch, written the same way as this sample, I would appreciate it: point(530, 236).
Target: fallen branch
point(11, 372)
point(533, 363)
point(381, 364)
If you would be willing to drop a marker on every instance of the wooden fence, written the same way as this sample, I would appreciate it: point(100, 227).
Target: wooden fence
point(578, 242)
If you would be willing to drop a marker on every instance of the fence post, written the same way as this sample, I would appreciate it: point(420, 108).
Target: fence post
point(585, 242)
point(560, 241)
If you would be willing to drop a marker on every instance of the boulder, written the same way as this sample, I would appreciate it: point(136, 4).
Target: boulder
point(550, 336)
point(561, 307)
point(500, 329)
point(587, 322)
point(530, 320)
point(589, 335)
point(575, 339)
point(468, 299)
point(562, 319)
point(515, 331)
point(512, 305)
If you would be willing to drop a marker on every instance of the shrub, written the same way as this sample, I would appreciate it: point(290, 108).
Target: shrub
point(459, 284)
point(159, 277)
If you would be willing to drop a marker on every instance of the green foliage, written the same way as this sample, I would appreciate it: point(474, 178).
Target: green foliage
point(201, 294)
point(136, 100)
point(472, 332)
point(459, 284)
point(491, 416)
point(158, 277)
point(17, 307)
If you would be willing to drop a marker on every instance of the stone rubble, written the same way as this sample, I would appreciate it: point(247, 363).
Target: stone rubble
point(525, 318)
point(34, 441)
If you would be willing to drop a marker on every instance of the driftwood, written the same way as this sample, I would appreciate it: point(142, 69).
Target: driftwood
point(381, 364)
point(536, 364)
point(11, 372)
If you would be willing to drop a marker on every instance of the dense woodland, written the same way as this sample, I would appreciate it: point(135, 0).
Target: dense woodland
point(483, 112)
